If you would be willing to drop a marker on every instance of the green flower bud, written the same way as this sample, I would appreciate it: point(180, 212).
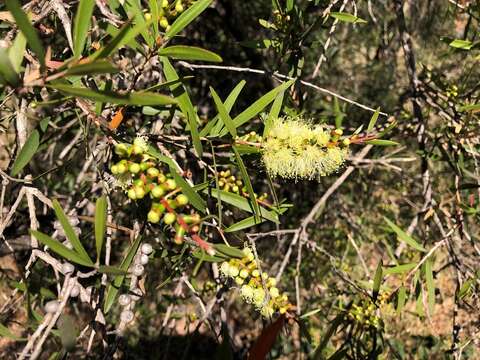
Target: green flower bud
point(181, 200)
point(170, 184)
point(274, 293)
point(255, 273)
point(137, 150)
point(153, 172)
point(121, 149)
point(235, 188)
point(134, 168)
point(244, 273)
point(172, 203)
point(114, 169)
point(159, 208)
point(144, 166)
point(179, 236)
point(169, 218)
point(131, 194)
point(139, 192)
point(153, 216)
point(162, 178)
point(164, 23)
point(239, 280)
point(138, 182)
point(121, 168)
point(158, 191)
point(179, 7)
point(164, 3)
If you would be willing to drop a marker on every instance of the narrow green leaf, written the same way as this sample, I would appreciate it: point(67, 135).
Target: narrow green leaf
point(248, 184)
point(82, 25)
point(229, 251)
point(202, 255)
point(100, 224)
point(229, 102)
point(403, 236)
point(183, 52)
point(138, 98)
point(399, 269)
point(244, 224)
point(195, 199)
point(380, 142)
point(346, 17)
point(60, 249)
point(274, 112)
point(126, 34)
point(69, 232)
point(310, 313)
point(223, 113)
point(114, 287)
point(111, 270)
point(187, 17)
point(27, 152)
point(242, 203)
point(377, 280)
point(318, 354)
point(184, 102)
point(153, 6)
point(461, 44)
point(373, 120)
point(254, 109)
point(471, 107)
point(430, 285)
point(23, 23)
point(135, 7)
point(7, 71)
point(17, 51)
point(96, 67)
point(401, 298)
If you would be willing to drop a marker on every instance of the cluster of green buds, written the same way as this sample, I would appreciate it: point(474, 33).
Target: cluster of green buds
point(141, 177)
point(169, 10)
point(251, 137)
point(452, 91)
point(280, 20)
point(256, 287)
point(230, 183)
point(294, 148)
point(364, 313)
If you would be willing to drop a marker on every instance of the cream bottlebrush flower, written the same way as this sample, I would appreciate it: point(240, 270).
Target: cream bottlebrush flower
point(294, 148)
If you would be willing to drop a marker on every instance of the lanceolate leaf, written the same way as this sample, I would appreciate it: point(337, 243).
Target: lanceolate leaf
point(100, 224)
point(223, 113)
point(7, 71)
point(82, 25)
point(399, 269)
point(254, 109)
point(242, 203)
point(96, 67)
point(244, 224)
point(183, 52)
point(69, 232)
point(23, 23)
point(17, 51)
point(380, 142)
point(114, 287)
point(195, 199)
point(187, 17)
point(248, 183)
point(373, 120)
point(184, 103)
point(346, 17)
point(274, 111)
point(403, 236)
point(377, 280)
point(139, 98)
point(61, 250)
point(27, 152)
point(430, 285)
point(229, 251)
